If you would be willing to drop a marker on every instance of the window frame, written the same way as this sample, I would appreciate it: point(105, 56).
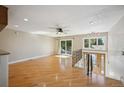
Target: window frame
point(98, 47)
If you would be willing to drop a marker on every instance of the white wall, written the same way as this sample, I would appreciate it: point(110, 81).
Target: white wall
point(24, 45)
point(115, 46)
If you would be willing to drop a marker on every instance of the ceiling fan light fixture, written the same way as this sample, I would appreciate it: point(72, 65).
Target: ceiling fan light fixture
point(60, 30)
point(60, 33)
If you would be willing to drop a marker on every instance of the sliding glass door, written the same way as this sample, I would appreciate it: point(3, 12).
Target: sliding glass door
point(63, 45)
point(66, 46)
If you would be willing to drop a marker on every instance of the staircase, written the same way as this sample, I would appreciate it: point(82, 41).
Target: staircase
point(76, 57)
point(79, 64)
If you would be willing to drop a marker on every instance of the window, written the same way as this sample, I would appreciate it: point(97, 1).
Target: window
point(86, 43)
point(66, 46)
point(100, 41)
point(95, 43)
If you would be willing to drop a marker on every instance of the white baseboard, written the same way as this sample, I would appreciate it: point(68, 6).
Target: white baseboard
point(112, 77)
point(26, 59)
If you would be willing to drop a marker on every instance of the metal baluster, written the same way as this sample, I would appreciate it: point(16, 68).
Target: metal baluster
point(88, 64)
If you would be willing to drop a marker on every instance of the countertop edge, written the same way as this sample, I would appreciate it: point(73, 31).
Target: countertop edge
point(2, 52)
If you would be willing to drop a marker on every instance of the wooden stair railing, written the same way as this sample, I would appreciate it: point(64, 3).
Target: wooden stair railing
point(76, 56)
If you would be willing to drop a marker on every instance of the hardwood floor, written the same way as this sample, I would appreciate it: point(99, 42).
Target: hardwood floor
point(54, 72)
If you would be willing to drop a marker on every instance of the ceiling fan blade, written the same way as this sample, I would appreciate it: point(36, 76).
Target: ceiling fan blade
point(61, 26)
point(52, 27)
point(57, 26)
point(66, 30)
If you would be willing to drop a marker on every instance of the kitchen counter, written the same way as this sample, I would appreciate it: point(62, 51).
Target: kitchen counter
point(2, 52)
point(4, 68)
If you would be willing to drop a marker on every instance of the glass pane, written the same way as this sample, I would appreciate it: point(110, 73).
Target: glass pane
point(62, 47)
point(93, 43)
point(94, 60)
point(69, 45)
point(86, 43)
point(100, 41)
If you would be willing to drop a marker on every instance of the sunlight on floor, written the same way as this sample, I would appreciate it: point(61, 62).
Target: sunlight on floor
point(63, 56)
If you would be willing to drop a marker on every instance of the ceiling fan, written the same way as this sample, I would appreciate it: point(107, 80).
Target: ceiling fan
point(60, 30)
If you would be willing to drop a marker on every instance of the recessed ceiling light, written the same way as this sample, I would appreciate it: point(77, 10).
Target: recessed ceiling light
point(16, 25)
point(25, 19)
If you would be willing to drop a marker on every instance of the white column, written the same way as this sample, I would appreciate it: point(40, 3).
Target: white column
point(3, 70)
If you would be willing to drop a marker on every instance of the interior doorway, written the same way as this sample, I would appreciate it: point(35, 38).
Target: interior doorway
point(66, 47)
point(95, 63)
point(98, 63)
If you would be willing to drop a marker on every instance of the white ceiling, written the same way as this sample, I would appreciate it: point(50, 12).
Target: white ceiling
point(76, 18)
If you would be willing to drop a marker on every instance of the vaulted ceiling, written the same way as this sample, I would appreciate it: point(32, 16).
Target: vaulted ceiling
point(78, 19)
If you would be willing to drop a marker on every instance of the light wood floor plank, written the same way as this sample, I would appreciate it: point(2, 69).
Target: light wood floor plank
point(54, 72)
